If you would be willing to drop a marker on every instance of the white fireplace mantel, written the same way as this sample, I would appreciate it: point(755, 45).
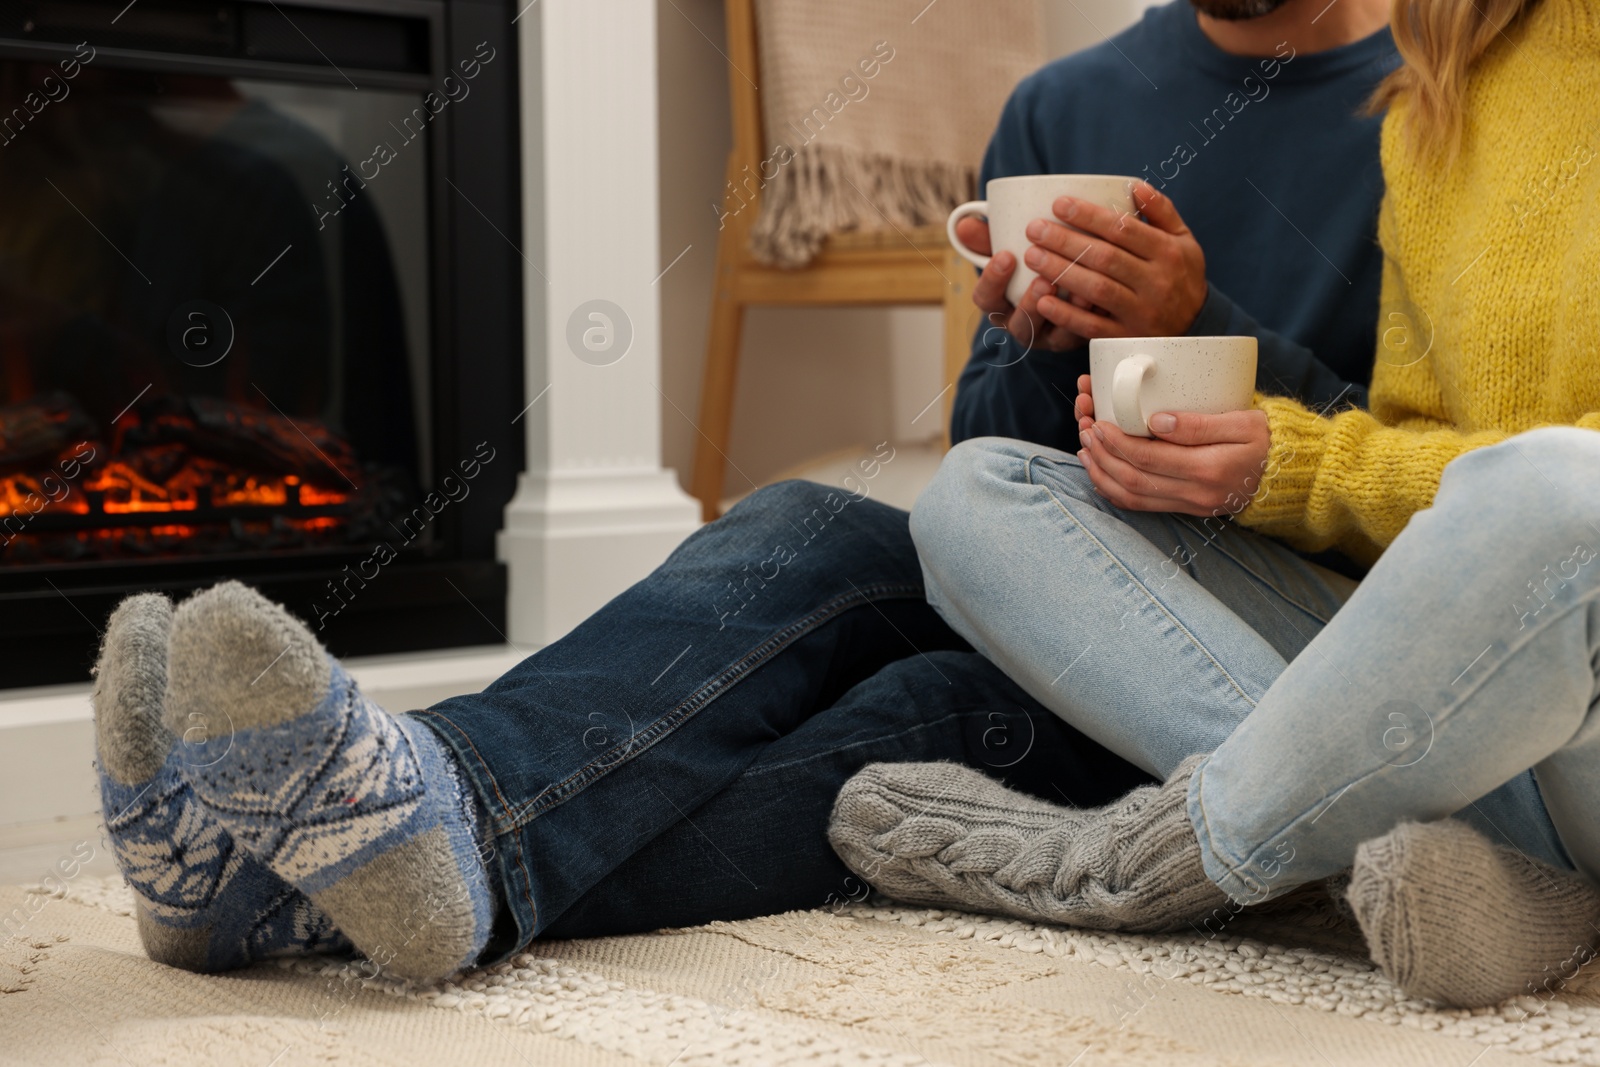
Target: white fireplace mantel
point(595, 511)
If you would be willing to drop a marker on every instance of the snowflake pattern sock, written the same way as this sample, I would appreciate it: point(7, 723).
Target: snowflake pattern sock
point(202, 904)
point(363, 811)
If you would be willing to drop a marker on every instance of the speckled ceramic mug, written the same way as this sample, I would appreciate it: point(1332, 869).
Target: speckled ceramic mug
point(1136, 377)
point(1014, 202)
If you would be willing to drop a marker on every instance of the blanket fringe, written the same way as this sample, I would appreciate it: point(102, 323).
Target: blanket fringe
point(827, 189)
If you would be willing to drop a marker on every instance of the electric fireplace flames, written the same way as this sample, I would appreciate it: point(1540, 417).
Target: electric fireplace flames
point(206, 373)
point(190, 362)
point(179, 476)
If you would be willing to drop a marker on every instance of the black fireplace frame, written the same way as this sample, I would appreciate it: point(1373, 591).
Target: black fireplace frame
point(451, 593)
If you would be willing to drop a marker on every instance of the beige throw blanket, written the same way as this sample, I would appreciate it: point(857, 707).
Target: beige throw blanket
point(876, 113)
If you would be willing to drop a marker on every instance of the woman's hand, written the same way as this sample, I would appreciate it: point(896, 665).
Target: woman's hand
point(1194, 465)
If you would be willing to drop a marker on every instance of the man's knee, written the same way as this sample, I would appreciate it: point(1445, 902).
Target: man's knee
point(785, 496)
point(808, 510)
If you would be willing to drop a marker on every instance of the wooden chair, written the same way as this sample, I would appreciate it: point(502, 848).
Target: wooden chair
point(889, 267)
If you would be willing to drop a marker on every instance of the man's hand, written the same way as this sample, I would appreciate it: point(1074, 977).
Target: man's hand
point(1032, 330)
point(1195, 464)
point(1124, 277)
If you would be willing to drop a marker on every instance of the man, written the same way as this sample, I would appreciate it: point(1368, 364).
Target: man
point(1244, 114)
point(675, 758)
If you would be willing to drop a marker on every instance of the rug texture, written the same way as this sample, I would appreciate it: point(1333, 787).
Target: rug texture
point(860, 985)
point(876, 115)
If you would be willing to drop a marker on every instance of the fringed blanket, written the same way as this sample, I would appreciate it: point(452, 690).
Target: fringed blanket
point(876, 114)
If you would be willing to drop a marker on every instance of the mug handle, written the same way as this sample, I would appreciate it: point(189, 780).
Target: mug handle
point(971, 207)
point(1126, 411)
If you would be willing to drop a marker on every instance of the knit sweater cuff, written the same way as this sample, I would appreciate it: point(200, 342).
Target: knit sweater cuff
point(1299, 437)
point(1214, 317)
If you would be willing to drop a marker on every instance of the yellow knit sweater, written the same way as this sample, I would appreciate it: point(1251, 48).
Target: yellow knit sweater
point(1490, 317)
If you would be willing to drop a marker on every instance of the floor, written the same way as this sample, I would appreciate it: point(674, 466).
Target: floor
point(859, 984)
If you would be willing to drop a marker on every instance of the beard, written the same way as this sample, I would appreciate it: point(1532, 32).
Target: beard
point(1233, 10)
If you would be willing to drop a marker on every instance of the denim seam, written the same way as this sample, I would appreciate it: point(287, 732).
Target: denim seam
point(527, 894)
point(1028, 470)
point(580, 779)
point(1538, 790)
point(1445, 715)
point(757, 771)
point(1264, 580)
point(1210, 844)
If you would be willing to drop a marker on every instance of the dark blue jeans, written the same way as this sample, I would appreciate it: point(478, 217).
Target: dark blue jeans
point(674, 759)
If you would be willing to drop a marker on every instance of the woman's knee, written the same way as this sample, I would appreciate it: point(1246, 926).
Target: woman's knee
point(953, 506)
point(1552, 472)
point(1561, 453)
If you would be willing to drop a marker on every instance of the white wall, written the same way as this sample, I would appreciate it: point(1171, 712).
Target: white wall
point(811, 381)
point(1073, 24)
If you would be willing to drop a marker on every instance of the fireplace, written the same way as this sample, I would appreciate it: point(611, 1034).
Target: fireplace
point(259, 315)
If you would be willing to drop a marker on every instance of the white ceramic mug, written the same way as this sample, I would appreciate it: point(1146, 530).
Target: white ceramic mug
point(1014, 202)
point(1135, 377)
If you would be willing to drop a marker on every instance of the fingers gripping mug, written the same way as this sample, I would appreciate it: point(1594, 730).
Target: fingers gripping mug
point(1014, 202)
point(1135, 377)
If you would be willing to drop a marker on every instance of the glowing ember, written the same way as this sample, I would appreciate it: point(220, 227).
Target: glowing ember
point(23, 493)
point(220, 467)
point(127, 491)
point(243, 490)
point(312, 497)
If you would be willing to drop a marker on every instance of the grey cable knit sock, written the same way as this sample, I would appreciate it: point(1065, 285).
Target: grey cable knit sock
point(949, 836)
point(1452, 917)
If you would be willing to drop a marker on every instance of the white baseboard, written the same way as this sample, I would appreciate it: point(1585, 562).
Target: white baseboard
point(50, 801)
point(571, 542)
point(30, 851)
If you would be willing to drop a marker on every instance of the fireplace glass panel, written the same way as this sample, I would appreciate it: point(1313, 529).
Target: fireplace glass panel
point(214, 315)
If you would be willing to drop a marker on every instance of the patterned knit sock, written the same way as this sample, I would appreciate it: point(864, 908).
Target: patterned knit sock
point(363, 811)
point(1454, 918)
point(949, 836)
point(202, 904)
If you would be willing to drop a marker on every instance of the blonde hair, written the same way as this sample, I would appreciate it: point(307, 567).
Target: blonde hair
point(1440, 40)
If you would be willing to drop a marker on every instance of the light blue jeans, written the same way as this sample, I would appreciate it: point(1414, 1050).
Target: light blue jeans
point(1460, 679)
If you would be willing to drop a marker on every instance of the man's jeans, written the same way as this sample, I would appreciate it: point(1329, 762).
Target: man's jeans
point(1417, 696)
point(674, 759)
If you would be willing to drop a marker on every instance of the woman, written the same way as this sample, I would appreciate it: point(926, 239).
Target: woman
point(1461, 678)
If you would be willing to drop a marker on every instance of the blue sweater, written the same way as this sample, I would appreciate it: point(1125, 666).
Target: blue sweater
point(1269, 162)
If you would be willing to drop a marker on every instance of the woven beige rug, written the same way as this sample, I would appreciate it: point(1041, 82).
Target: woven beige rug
point(868, 985)
point(876, 114)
